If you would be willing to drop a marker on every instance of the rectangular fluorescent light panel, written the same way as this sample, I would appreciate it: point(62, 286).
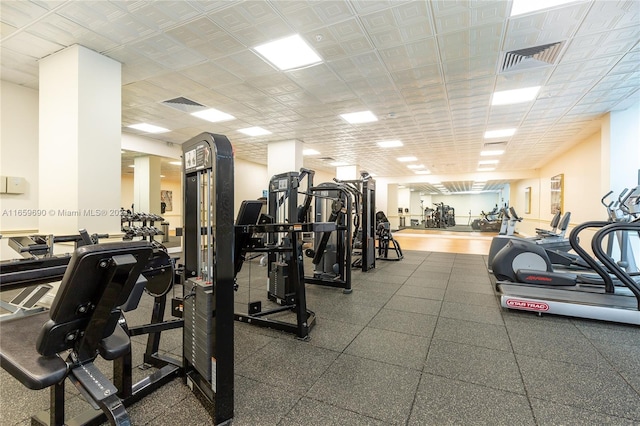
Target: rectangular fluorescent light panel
point(254, 131)
point(520, 7)
point(486, 169)
point(339, 163)
point(389, 144)
point(416, 166)
point(406, 159)
point(491, 152)
point(422, 172)
point(213, 115)
point(176, 163)
point(288, 53)
point(516, 96)
point(499, 133)
point(148, 128)
point(310, 151)
point(488, 162)
point(359, 117)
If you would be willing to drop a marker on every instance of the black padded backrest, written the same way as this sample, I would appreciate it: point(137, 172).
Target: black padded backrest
point(564, 223)
point(555, 221)
point(514, 215)
point(249, 212)
point(97, 281)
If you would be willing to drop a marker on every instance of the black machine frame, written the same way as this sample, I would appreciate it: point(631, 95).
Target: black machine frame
point(284, 227)
point(333, 249)
point(208, 339)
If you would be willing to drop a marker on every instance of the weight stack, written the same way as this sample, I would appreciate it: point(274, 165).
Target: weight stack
point(199, 328)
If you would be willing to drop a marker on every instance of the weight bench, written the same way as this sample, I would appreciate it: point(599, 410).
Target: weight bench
point(43, 350)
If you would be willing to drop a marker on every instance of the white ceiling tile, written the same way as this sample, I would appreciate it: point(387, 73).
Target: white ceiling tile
point(346, 30)
point(210, 75)
point(67, 32)
point(196, 32)
point(20, 13)
point(331, 10)
point(31, 45)
point(164, 14)
point(609, 15)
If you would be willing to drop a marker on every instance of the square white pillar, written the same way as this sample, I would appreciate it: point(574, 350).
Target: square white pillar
point(283, 157)
point(79, 142)
point(146, 184)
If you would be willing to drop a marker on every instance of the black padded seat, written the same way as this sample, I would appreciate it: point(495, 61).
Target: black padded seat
point(83, 322)
point(19, 358)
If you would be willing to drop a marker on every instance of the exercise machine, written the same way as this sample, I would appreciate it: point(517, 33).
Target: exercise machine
point(43, 350)
point(331, 254)
point(385, 239)
point(208, 354)
point(364, 234)
point(606, 301)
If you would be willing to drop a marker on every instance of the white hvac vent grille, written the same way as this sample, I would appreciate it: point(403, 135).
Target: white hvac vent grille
point(184, 104)
point(495, 144)
point(532, 57)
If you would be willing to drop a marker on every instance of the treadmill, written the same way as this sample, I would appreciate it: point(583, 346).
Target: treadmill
point(608, 302)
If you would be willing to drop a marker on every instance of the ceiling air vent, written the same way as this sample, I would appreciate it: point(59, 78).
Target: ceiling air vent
point(532, 57)
point(326, 159)
point(184, 104)
point(495, 144)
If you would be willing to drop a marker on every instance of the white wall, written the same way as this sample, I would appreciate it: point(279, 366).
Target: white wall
point(174, 217)
point(19, 155)
point(250, 179)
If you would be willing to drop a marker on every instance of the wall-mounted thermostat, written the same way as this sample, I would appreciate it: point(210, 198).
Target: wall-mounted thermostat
point(16, 185)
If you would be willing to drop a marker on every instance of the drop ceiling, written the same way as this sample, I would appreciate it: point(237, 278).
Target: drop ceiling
point(426, 69)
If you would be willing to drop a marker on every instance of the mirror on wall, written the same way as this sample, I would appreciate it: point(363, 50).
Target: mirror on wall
point(527, 200)
point(557, 193)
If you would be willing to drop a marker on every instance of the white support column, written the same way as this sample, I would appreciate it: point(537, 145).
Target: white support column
point(146, 184)
point(79, 142)
point(392, 206)
point(283, 157)
point(347, 172)
point(624, 148)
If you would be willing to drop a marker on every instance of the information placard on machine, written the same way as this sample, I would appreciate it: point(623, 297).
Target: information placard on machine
point(197, 158)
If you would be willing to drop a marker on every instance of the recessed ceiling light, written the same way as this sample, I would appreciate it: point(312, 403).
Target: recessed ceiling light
point(149, 128)
point(506, 97)
point(339, 163)
point(492, 152)
point(288, 53)
point(525, 6)
point(254, 131)
point(122, 151)
point(422, 172)
point(131, 165)
point(389, 144)
point(310, 151)
point(406, 159)
point(415, 166)
point(213, 115)
point(359, 117)
point(162, 176)
point(499, 133)
point(176, 163)
point(488, 162)
point(486, 169)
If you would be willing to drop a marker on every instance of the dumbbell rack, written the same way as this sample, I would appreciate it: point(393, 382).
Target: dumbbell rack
point(140, 225)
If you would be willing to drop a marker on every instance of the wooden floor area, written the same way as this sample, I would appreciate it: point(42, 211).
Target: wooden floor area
point(444, 241)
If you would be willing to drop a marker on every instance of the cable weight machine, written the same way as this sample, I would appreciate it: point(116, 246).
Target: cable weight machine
point(208, 354)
